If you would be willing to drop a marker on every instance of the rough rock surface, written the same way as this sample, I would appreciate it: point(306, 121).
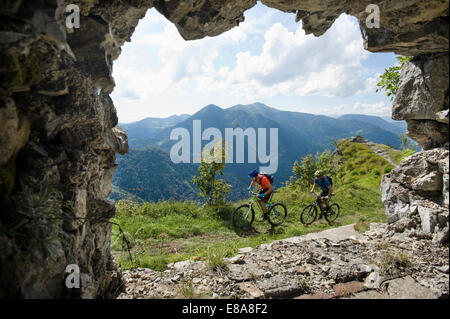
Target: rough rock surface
point(422, 99)
point(381, 263)
point(417, 191)
point(58, 134)
point(406, 27)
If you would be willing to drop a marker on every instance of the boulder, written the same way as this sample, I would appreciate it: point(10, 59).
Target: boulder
point(418, 185)
point(422, 91)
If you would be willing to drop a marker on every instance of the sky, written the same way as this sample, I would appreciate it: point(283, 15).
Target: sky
point(268, 58)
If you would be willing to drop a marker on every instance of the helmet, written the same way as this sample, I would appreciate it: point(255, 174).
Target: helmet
point(253, 173)
point(318, 173)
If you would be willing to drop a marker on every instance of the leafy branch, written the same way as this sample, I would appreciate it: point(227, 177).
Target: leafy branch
point(389, 79)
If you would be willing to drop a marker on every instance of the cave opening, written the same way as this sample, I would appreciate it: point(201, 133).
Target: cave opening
point(163, 81)
point(59, 134)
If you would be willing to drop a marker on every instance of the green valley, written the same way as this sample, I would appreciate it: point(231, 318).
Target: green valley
point(148, 173)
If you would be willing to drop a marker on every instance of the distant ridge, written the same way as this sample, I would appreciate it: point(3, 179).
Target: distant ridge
point(299, 134)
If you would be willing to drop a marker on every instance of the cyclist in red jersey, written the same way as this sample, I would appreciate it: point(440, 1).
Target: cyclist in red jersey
point(266, 189)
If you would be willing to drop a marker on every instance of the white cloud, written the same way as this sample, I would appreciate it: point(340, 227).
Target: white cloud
point(155, 65)
point(378, 108)
point(295, 63)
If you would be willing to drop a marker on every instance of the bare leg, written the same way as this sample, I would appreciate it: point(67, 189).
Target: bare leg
point(327, 203)
point(263, 206)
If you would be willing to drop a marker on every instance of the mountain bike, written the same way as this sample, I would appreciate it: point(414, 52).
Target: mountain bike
point(309, 213)
point(244, 215)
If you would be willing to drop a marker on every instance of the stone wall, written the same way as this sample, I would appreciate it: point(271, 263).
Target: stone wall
point(59, 134)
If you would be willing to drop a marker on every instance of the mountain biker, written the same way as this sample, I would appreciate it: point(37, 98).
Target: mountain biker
point(325, 185)
point(266, 189)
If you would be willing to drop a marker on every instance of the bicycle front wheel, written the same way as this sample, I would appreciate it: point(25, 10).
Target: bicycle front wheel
point(308, 215)
point(277, 214)
point(332, 213)
point(243, 217)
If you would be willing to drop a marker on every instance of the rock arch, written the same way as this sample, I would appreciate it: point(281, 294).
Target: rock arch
point(59, 134)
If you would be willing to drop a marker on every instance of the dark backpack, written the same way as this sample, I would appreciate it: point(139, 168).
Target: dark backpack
point(270, 177)
point(329, 179)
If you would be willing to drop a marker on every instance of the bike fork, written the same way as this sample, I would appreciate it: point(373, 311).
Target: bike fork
point(248, 212)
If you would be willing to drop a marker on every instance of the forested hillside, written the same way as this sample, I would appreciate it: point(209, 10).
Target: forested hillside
point(299, 134)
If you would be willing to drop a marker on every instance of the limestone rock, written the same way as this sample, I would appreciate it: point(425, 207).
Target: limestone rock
point(419, 186)
point(428, 133)
point(251, 289)
point(422, 99)
point(406, 27)
point(422, 89)
point(373, 281)
point(195, 20)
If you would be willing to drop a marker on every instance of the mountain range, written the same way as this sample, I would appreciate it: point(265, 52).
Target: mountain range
point(148, 172)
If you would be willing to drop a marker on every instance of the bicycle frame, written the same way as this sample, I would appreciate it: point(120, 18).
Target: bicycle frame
point(319, 200)
point(311, 210)
point(254, 199)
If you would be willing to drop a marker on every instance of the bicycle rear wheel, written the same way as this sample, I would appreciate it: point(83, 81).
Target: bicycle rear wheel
point(309, 214)
point(332, 213)
point(277, 214)
point(243, 217)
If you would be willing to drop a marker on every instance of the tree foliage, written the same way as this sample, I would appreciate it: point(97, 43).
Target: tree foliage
point(408, 147)
point(212, 189)
point(304, 172)
point(389, 79)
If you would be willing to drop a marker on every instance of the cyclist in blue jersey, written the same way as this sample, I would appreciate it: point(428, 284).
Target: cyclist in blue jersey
point(326, 187)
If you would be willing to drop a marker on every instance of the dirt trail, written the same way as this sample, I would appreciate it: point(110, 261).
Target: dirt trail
point(381, 151)
point(333, 234)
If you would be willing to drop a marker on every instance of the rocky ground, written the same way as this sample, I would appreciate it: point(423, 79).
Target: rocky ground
point(339, 263)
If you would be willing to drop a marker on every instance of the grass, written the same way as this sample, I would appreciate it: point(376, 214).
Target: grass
point(170, 231)
point(187, 291)
point(362, 226)
point(215, 258)
point(391, 262)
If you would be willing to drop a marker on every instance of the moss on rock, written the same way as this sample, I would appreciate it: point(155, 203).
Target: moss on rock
point(18, 70)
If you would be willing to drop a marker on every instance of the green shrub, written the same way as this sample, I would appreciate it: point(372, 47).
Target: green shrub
point(387, 169)
point(361, 226)
point(304, 172)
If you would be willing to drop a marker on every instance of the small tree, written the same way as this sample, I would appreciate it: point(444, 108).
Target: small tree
point(408, 147)
point(389, 79)
point(212, 189)
point(304, 172)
